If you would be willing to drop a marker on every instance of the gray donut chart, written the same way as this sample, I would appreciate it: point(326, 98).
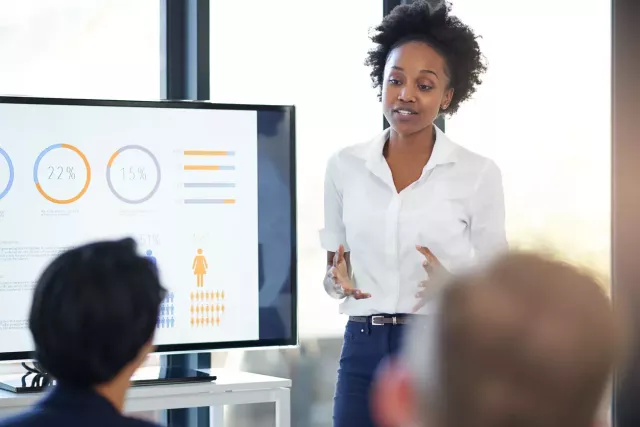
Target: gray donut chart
point(155, 187)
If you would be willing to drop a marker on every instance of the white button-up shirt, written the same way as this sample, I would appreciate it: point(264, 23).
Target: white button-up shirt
point(456, 209)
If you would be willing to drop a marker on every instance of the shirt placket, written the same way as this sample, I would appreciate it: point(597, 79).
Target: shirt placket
point(392, 227)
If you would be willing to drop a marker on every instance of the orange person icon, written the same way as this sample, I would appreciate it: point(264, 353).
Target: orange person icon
point(199, 268)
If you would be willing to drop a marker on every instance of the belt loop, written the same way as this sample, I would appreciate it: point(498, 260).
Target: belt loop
point(367, 326)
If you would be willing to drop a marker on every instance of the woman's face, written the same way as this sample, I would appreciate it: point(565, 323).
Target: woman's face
point(415, 87)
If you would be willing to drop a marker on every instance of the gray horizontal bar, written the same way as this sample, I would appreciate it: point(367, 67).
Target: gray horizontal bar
point(206, 201)
point(209, 185)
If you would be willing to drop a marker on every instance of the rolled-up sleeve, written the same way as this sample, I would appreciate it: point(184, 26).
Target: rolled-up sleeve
point(333, 234)
point(487, 228)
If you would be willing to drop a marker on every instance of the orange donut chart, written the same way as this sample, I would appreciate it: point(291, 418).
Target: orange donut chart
point(86, 164)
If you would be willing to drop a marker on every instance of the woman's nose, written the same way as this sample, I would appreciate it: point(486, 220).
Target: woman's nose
point(407, 94)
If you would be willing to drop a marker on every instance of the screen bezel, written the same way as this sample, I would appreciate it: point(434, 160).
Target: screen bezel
point(198, 105)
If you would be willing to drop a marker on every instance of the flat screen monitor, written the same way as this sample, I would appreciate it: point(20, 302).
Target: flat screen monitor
point(207, 190)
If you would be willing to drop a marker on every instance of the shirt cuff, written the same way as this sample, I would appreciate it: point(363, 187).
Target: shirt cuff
point(331, 240)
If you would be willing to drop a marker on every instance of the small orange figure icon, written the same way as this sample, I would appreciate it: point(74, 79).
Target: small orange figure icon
point(199, 268)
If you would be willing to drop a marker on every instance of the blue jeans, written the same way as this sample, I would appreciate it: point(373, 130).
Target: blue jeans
point(365, 346)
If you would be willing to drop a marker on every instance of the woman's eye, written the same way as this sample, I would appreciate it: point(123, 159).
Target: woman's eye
point(424, 87)
point(394, 81)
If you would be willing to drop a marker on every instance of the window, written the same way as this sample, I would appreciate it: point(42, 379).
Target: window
point(543, 113)
point(310, 55)
point(80, 48)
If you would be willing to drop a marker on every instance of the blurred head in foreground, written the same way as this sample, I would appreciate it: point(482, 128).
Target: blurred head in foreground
point(527, 342)
point(94, 313)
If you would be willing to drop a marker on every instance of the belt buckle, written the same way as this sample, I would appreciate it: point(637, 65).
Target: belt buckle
point(373, 320)
point(394, 320)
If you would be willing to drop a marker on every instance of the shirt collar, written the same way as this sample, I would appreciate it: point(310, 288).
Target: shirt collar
point(444, 152)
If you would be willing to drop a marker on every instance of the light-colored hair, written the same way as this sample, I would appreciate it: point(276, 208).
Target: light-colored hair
point(526, 342)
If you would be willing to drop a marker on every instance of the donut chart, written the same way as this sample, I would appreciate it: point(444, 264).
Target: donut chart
point(69, 170)
point(5, 190)
point(133, 187)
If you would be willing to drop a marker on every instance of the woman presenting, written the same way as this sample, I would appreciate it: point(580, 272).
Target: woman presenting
point(409, 203)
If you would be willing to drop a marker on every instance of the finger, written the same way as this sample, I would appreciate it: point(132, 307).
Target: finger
point(419, 305)
point(338, 256)
point(353, 292)
point(361, 295)
point(334, 274)
point(423, 250)
point(429, 267)
point(426, 266)
point(433, 260)
point(422, 294)
point(339, 278)
point(428, 254)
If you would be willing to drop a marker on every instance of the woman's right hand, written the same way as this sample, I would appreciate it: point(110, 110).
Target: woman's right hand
point(340, 274)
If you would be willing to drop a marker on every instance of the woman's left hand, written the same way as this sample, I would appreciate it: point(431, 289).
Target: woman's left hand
point(434, 268)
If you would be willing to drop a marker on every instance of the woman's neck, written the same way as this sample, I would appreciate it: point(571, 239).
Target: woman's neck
point(419, 143)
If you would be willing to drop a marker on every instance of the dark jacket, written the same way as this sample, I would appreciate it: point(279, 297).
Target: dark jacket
point(68, 407)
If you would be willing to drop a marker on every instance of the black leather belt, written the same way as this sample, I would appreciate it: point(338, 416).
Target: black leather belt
point(380, 320)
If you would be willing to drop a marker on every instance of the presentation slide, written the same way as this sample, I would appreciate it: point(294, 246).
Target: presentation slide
point(182, 182)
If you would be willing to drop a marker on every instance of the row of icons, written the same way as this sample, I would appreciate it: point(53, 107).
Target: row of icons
point(207, 308)
point(62, 174)
point(200, 314)
point(166, 318)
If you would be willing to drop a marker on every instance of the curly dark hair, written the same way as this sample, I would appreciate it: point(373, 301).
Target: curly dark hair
point(434, 25)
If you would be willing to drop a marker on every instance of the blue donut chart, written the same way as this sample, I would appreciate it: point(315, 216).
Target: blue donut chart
point(5, 191)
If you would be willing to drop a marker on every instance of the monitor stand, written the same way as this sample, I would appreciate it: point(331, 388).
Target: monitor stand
point(36, 380)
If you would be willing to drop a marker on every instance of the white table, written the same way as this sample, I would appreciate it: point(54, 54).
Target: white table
point(231, 388)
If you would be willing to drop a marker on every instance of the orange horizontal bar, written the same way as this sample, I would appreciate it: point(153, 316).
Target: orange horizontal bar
point(201, 168)
point(205, 153)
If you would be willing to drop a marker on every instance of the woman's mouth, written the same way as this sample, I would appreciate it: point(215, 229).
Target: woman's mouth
point(404, 112)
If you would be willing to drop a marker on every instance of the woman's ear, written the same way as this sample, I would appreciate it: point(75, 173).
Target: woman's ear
point(393, 397)
point(446, 101)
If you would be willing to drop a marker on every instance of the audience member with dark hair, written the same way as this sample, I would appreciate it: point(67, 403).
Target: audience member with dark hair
point(93, 318)
point(528, 342)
